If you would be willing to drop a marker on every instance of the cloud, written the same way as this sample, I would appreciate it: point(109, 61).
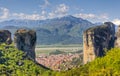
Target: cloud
point(51, 15)
point(103, 16)
point(4, 13)
point(85, 16)
point(116, 21)
point(29, 16)
point(43, 12)
point(92, 16)
point(46, 4)
point(62, 9)
point(59, 11)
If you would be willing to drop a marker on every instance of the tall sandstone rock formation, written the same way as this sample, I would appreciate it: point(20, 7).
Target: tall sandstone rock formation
point(5, 37)
point(117, 41)
point(96, 40)
point(25, 40)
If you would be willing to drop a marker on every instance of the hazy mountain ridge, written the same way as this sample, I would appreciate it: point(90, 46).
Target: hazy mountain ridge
point(64, 30)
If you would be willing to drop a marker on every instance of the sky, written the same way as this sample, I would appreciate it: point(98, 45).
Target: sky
point(92, 10)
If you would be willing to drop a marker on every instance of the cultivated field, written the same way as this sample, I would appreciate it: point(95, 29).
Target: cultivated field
point(46, 49)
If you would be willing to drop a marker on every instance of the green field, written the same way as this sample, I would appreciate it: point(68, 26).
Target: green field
point(46, 49)
point(70, 45)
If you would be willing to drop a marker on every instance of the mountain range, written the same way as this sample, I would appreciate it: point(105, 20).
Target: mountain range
point(64, 30)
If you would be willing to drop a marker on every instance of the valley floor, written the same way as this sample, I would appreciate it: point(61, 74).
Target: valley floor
point(59, 57)
point(60, 61)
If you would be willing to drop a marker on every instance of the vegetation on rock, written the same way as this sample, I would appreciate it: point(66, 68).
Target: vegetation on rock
point(14, 62)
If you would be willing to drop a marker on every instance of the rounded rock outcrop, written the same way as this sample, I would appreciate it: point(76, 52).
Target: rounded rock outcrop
point(25, 40)
point(5, 37)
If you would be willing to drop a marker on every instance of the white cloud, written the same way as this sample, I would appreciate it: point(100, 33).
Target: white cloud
point(4, 13)
point(59, 11)
point(62, 9)
point(85, 16)
point(51, 15)
point(116, 21)
point(46, 4)
point(29, 16)
point(43, 12)
point(92, 16)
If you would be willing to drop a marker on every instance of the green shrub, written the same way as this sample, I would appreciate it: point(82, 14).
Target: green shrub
point(13, 62)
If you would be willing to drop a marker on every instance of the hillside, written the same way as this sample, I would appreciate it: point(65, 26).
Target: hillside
point(64, 30)
point(108, 65)
point(14, 62)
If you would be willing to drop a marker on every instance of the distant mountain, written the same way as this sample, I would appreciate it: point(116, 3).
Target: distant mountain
point(64, 30)
point(98, 23)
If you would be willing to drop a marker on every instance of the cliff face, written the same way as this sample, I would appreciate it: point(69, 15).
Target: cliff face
point(25, 40)
point(97, 39)
point(117, 41)
point(5, 37)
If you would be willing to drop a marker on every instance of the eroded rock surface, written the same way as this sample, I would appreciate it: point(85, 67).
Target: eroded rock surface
point(117, 41)
point(25, 40)
point(5, 37)
point(97, 39)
